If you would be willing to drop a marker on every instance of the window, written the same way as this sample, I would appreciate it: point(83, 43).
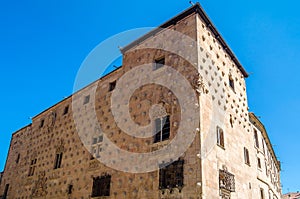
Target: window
point(263, 145)
point(256, 138)
point(32, 167)
point(112, 86)
point(42, 123)
point(18, 158)
point(101, 186)
point(5, 191)
point(220, 137)
point(158, 63)
point(231, 82)
point(66, 110)
point(258, 163)
point(162, 129)
point(96, 146)
point(70, 189)
point(58, 159)
point(86, 99)
point(171, 176)
point(262, 194)
point(246, 156)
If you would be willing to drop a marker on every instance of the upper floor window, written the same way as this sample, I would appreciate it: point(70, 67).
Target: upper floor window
point(66, 110)
point(18, 158)
point(262, 194)
point(256, 138)
point(86, 99)
point(158, 63)
point(32, 167)
point(162, 129)
point(96, 146)
point(246, 156)
point(220, 137)
point(58, 159)
point(258, 163)
point(171, 176)
point(231, 82)
point(101, 186)
point(112, 85)
point(42, 123)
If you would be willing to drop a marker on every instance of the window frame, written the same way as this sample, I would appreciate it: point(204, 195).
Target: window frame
point(101, 186)
point(171, 175)
point(162, 129)
point(220, 137)
point(159, 63)
point(246, 156)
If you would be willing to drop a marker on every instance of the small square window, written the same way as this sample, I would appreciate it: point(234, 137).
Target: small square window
point(66, 110)
point(86, 99)
point(158, 63)
point(112, 86)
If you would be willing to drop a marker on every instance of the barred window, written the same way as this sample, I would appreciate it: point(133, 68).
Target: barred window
point(101, 186)
point(162, 129)
point(171, 176)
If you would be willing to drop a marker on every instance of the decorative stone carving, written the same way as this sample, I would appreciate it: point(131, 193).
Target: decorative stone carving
point(199, 85)
point(226, 183)
point(60, 147)
point(52, 119)
point(40, 186)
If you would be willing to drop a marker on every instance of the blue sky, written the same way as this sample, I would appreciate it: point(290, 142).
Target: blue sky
point(43, 43)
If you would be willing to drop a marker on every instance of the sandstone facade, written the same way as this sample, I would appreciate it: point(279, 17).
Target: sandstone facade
point(49, 159)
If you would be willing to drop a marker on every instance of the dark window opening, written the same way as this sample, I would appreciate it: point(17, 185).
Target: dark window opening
point(112, 86)
point(220, 137)
point(58, 160)
point(86, 99)
point(66, 110)
point(5, 191)
point(18, 158)
point(158, 63)
point(262, 195)
point(70, 189)
point(42, 123)
point(231, 82)
point(256, 138)
point(32, 167)
point(246, 156)
point(258, 163)
point(171, 176)
point(162, 129)
point(101, 186)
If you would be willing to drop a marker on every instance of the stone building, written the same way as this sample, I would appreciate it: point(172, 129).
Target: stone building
point(68, 150)
point(295, 195)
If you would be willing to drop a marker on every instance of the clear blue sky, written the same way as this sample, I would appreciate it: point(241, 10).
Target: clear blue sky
point(43, 43)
